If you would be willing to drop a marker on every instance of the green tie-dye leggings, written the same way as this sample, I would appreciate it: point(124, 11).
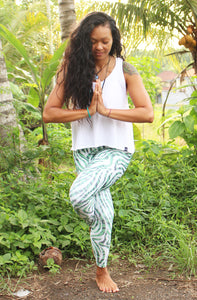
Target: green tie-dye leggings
point(97, 168)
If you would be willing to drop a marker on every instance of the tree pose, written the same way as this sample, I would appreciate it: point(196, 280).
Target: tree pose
point(93, 82)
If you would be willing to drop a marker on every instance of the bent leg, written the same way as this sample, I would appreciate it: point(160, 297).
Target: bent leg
point(91, 198)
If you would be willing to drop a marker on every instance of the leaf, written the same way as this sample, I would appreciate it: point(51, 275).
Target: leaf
point(189, 123)
point(33, 97)
point(64, 219)
point(16, 91)
point(193, 113)
point(23, 218)
point(176, 129)
point(37, 244)
point(65, 243)
point(68, 228)
point(193, 6)
point(51, 68)
point(5, 258)
point(138, 218)
point(194, 94)
point(22, 214)
point(195, 109)
point(6, 34)
point(123, 213)
point(193, 101)
point(155, 149)
point(29, 107)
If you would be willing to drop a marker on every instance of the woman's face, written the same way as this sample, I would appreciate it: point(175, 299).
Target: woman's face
point(101, 38)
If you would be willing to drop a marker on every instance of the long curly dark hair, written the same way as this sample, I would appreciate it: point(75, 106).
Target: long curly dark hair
point(78, 63)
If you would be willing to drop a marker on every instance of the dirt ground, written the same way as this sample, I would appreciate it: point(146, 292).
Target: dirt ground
point(76, 282)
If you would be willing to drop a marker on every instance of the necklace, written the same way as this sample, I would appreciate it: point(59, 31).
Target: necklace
point(96, 75)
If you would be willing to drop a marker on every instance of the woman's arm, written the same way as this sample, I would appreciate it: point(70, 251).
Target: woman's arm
point(55, 113)
point(143, 110)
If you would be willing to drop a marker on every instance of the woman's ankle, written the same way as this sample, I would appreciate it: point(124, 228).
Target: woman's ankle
point(100, 270)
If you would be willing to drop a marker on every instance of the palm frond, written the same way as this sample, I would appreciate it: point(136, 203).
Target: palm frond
point(193, 5)
point(139, 16)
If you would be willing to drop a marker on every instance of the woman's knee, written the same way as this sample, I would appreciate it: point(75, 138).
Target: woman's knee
point(73, 194)
point(78, 198)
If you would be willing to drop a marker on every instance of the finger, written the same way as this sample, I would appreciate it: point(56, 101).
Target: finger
point(98, 80)
point(100, 99)
point(96, 95)
point(100, 87)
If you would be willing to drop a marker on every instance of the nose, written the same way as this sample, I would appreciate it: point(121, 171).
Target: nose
point(99, 46)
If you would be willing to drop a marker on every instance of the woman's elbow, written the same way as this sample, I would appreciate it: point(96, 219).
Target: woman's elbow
point(46, 117)
point(151, 117)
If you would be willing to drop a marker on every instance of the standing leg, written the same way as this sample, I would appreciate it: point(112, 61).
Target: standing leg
point(101, 228)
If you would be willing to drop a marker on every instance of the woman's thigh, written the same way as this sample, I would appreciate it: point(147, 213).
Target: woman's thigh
point(99, 170)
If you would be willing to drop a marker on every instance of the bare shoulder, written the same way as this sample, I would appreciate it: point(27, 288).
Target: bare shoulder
point(129, 69)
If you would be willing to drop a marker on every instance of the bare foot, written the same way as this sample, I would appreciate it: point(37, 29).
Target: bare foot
point(104, 281)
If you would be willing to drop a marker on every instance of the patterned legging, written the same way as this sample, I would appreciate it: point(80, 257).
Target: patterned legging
point(97, 168)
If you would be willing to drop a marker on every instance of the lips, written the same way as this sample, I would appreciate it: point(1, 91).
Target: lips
point(98, 53)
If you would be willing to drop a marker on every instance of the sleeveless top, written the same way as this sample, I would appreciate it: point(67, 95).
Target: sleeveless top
point(104, 131)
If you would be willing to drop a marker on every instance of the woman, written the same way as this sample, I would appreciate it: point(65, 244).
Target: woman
point(93, 83)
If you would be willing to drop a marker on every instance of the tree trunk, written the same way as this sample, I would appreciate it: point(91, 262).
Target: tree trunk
point(9, 127)
point(194, 54)
point(67, 17)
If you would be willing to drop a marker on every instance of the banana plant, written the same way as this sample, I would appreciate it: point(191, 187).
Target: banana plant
point(40, 76)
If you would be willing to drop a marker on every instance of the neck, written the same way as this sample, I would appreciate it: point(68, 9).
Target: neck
point(100, 64)
point(104, 67)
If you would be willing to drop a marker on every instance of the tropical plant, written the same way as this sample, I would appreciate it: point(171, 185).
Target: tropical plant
point(33, 26)
point(159, 20)
point(39, 76)
point(155, 211)
point(185, 124)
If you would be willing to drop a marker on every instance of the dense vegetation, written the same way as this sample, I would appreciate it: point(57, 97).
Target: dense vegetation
point(155, 206)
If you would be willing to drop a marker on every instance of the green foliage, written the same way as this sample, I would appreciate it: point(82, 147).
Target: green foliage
point(6, 34)
point(41, 75)
point(58, 151)
point(35, 210)
point(152, 18)
point(148, 67)
point(186, 125)
point(35, 213)
point(155, 207)
point(32, 26)
point(52, 267)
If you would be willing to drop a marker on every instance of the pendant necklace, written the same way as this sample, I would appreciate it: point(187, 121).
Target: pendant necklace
point(96, 75)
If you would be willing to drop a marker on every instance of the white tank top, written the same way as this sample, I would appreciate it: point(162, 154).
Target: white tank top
point(104, 131)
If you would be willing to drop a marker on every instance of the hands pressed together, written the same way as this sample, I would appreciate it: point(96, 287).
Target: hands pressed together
point(97, 104)
point(141, 113)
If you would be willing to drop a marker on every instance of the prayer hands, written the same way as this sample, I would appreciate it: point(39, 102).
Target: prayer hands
point(97, 100)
